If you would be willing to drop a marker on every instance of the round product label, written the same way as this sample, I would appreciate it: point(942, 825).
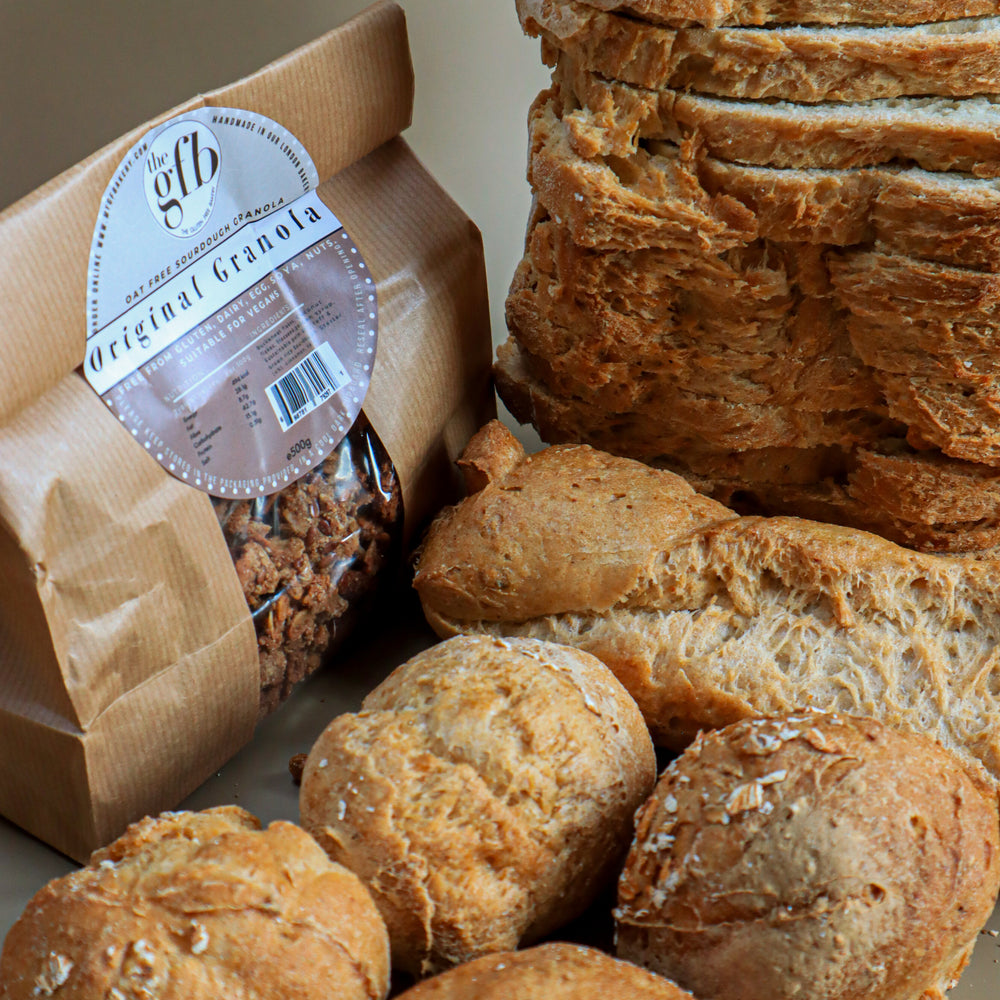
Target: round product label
point(231, 321)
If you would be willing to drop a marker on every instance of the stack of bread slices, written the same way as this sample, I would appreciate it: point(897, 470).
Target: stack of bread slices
point(764, 252)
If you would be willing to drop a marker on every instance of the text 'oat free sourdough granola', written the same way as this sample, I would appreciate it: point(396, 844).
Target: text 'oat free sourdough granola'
point(223, 411)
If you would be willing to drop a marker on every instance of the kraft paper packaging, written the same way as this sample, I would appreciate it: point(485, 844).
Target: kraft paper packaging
point(128, 658)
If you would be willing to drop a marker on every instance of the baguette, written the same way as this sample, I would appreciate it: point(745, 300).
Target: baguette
point(707, 617)
point(808, 64)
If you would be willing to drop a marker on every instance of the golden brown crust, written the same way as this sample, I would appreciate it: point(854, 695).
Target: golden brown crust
point(484, 793)
point(707, 618)
point(817, 855)
point(547, 972)
point(201, 905)
point(677, 420)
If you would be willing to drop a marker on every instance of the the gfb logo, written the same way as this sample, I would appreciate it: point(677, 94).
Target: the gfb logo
point(182, 176)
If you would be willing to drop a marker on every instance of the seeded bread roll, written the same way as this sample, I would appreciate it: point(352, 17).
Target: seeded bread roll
point(548, 972)
point(200, 905)
point(812, 855)
point(485, 793)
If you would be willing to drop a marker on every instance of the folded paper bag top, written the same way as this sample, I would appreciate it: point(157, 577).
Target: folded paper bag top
point(129, 668)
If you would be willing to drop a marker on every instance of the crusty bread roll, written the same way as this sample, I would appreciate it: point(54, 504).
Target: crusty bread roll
point(548, 972)
point(485, 793)
point(707, 617)
point(818, 856)
point(200, 905)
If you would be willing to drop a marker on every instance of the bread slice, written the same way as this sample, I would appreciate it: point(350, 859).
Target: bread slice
point(627, 330)
point(922, 500)
point(564, 372)
point(934, 348)
point(936, 133)
point(677, 422)
point(671, 196)
point(604, 210)
point(719, 12)
point(707, 617)
point(950, 58)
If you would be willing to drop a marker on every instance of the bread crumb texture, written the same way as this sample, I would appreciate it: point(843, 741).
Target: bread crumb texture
point(707, 617)
point(485, 793)
point(547, 972)
point(813, 855)
point(200, 905)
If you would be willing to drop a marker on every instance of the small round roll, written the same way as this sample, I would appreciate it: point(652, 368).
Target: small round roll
point(198, 906)
point(547, 972)
point(812, 855)
point(485, 793)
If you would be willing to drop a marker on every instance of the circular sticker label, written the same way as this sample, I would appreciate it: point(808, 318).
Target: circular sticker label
point(231, 321)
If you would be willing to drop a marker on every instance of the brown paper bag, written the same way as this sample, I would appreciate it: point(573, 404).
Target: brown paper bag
point(128, 659)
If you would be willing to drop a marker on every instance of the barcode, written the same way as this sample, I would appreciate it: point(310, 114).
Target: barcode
point(310, 383)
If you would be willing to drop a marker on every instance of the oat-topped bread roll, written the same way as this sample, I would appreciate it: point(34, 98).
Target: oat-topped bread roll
point(815, 855)
point(485, 793)
point(200, 905)
point(707, 617)
point(548, 972)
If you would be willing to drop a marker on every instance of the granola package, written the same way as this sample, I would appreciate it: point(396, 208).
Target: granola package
point(243, 346)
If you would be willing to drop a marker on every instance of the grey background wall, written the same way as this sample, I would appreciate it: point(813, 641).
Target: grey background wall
point(75, 74)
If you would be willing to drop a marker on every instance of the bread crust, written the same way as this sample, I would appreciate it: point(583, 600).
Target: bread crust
point(485, 794)
point(806, 64)
point(719, 12)
point(808, 855)
point(201, 905)
point(712, 617)
point(547, 972)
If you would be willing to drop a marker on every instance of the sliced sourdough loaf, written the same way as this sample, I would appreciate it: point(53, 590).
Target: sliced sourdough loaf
point(719, 12)
point(796, 63)
point(707, 617)
point(671, 196)
point(936, 133)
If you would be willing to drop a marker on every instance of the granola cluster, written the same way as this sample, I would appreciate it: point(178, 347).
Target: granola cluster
point(309, 556)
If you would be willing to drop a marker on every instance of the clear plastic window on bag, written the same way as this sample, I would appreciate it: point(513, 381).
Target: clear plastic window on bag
point(310, 557)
